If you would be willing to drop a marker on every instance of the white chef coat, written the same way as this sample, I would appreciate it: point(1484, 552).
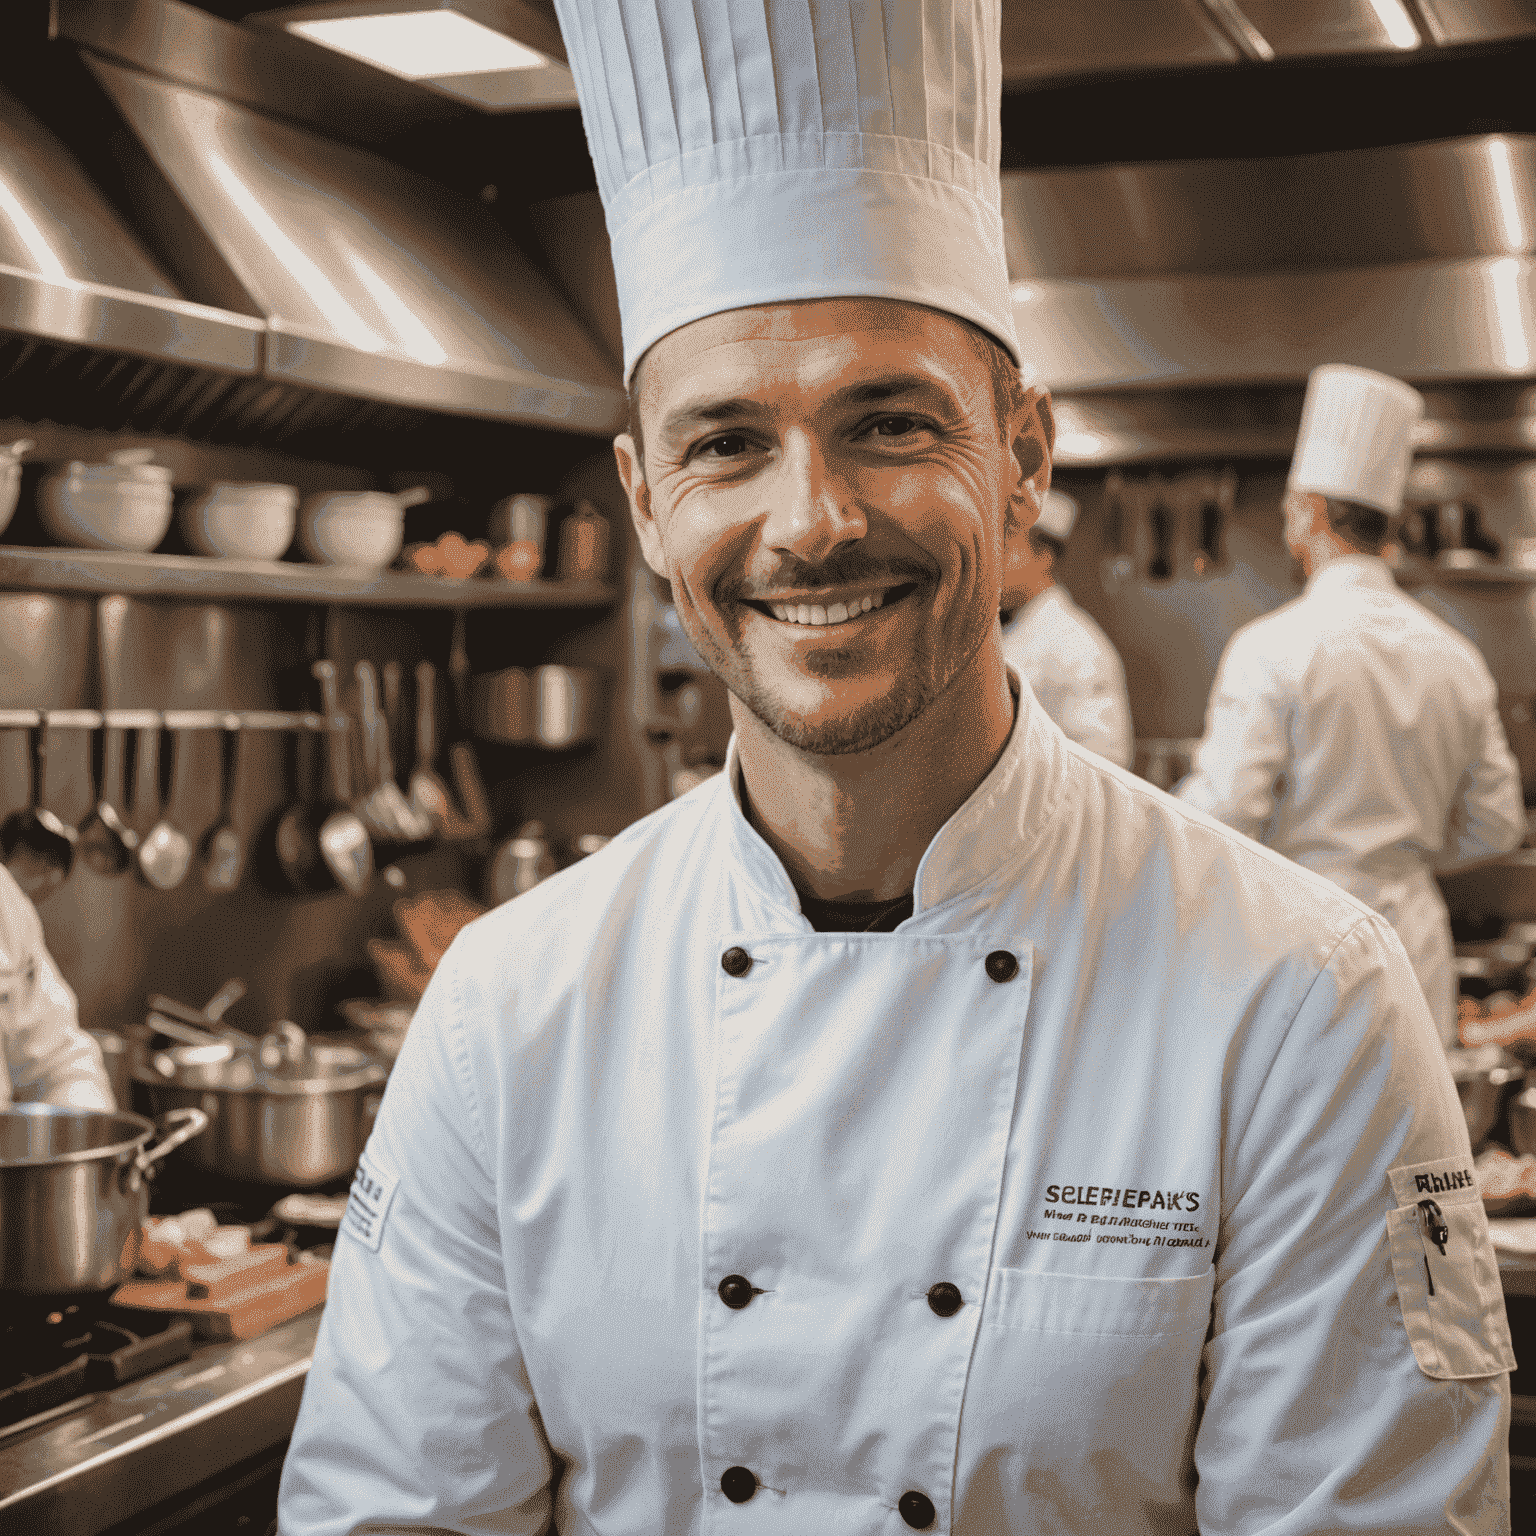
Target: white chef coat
point(1171, 1163)
point(50, 1059)
point(1358, 734)
point(1074, 672)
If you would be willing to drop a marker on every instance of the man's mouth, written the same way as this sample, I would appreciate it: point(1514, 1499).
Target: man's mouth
point(822, 609)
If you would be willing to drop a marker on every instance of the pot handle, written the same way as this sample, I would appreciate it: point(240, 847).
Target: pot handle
point(188, 1122)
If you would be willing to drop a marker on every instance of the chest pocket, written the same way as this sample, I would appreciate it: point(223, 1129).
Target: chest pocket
point(1446, 1273)
point(1101, 1305)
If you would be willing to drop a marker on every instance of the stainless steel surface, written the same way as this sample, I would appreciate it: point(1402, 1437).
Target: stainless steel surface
point(1423, 321)
point(71, 271)
point(222, 847)
point(373, 281)
point(73, 1194)
point(276, 1118)
point(107, 843)
point(1451, 200)
point(1045, 40)
point(114, 1057)
point(165, 852)
point(383, 805)
point(122, 1451)
point(1483, 1077)
point(38, 848)
point(344, 841)
point(568, 704)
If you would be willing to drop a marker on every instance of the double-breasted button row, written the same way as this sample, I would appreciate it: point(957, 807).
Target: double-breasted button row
point(1002, 964)
point(736, 1291)
point(738, 1484)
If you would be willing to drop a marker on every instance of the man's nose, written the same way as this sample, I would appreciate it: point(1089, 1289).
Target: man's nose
point(811, 508)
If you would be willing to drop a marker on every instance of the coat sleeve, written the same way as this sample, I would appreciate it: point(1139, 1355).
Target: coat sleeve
point(1339, 1392)
point(50, 1059)
point(1246, 743)
point(1096, 713)
point(418, 1413)
point(1488, 815)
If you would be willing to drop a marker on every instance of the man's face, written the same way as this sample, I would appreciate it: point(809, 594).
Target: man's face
point(826, 486)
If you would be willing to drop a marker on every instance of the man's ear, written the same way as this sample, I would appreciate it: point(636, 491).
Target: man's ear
point(1031, 437)
point(638, 493)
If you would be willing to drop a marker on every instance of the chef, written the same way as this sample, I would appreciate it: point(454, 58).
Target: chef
point(921, 1125)
point(1351, 729)
point(1067, 660)
point(49, 1058)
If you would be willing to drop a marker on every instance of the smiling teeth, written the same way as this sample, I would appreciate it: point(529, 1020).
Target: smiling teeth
point(814, 613)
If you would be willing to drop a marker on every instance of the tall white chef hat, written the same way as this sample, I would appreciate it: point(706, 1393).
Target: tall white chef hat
point(762, 151)
point(1058, 516)
point(1356, 437)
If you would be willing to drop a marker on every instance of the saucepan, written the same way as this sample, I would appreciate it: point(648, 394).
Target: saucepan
point(74, 1192)
point(291, 1111)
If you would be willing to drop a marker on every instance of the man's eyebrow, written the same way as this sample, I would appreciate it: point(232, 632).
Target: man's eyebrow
point(731, 412)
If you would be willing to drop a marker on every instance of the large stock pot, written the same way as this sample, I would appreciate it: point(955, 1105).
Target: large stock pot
point(293, 1111)
point(74, 1193)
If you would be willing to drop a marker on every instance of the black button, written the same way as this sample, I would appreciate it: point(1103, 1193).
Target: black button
point(945, 1299)
point(735, 1291)
point(738, 1484)
point(738, 962)
point(916, 1508)
point(1001, 966)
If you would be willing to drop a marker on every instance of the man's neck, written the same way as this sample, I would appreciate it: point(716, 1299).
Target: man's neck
point(857, 826)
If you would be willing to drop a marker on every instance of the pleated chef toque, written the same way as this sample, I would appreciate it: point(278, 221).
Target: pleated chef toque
point(1356, 437)
point(1058, 517)
point(761, 151)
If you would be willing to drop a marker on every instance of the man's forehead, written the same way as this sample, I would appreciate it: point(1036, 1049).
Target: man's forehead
point(831, 343)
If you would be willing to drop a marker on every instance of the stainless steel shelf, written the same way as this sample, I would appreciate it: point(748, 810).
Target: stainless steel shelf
point(205, 580)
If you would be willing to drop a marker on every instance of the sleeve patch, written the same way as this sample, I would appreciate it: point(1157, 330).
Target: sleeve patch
point(1446, 1177)
point(368, 1204)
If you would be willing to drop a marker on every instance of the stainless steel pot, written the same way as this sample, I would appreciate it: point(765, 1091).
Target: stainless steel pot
point(74, 1193)
point(299, 1118)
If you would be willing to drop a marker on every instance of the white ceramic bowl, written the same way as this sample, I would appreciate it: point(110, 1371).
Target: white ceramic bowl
point(98, 513)
point(241, 522)
point(364, 529)
point(10, 490)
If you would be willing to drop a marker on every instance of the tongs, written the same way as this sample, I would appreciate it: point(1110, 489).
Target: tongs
point(193, 1026)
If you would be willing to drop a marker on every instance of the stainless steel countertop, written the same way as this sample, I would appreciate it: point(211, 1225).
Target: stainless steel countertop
point(85, 1466)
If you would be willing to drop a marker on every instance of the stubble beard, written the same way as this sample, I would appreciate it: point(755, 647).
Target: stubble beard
point(841, 735)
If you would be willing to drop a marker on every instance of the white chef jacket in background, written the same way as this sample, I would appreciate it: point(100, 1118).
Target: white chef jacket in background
point(1353, 731)
point(50, 1059)
point(1171, 1163)
point(1074, 671)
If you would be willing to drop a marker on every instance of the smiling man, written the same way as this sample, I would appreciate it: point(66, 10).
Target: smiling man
point(923, 1125)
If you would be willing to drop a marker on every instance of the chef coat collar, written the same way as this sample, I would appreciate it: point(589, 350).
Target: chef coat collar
point(1040, 609)
point(1352, 570)
point(1001, 822)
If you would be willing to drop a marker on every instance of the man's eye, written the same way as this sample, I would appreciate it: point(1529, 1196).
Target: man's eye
point(897, 426)
point(731, 446)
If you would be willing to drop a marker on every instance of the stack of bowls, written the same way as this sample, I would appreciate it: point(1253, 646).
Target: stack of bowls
point(124, 504)
point(241, 521)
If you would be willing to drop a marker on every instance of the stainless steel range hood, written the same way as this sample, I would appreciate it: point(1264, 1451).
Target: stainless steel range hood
point(372, 281)
point(273, 280)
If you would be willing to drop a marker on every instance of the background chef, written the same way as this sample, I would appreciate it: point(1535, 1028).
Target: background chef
point(49, 1058)
point(922, 1124)
point(1352, 730)
point(1072, 669)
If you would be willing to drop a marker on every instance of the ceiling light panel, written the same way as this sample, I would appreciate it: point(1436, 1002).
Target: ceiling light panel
point(417, 45)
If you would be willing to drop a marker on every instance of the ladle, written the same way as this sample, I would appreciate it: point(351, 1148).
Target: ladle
point(427, 792)
point(107, 842)
point(165, 855)
point(383, 807)
point(223, 849)
point(344, 840)
point(38, 848)
point(297, 834)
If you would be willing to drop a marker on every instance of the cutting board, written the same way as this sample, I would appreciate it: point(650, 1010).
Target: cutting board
point(277, 1295)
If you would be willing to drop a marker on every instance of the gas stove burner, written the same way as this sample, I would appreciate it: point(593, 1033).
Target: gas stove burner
point(55, 1349)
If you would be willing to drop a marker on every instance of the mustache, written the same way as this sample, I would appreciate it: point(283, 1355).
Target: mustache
point(845, 568)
